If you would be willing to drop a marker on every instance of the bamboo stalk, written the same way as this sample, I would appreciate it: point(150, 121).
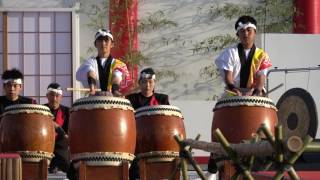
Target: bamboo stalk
point(278, 143)
point(313, 147)
point(189, 157)
point(296, 155)
point(251, 158)
point(293, 174)
point(232, 154)
point(268, 135)
point(184, 168)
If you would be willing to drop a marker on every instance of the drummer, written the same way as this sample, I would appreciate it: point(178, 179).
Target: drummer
point(146, 97)
point(60, 161)
point(244, 66)
point(103, 71)
point(12, 85)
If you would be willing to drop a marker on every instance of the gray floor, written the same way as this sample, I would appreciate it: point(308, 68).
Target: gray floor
point(61, 176)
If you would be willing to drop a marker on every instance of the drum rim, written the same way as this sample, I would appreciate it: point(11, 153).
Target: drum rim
point(103, 158)
point(244, 101)
point(27, 108)
point(158, 110)
point(35, 156)
point(158, 156)
point(101, 102)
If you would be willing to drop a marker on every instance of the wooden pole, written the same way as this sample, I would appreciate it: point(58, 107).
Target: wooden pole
point(260, 149)
point(251, 158)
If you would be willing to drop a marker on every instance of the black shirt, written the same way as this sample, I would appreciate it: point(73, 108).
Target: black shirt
point(65, 116)
point(5, 102)
point(138, 100)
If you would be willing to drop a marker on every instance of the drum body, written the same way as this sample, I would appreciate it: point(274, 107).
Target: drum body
point(29, 130)
point(239, 118)
point(102, 128)
point(156, 127)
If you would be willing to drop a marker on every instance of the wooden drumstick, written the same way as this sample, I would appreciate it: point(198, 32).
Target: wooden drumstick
point(231, 92)
point(81, 89)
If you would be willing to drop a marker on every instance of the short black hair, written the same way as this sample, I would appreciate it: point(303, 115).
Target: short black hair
point(54, 86)
point(12, 74)
point(244, 20)
point(148, 71)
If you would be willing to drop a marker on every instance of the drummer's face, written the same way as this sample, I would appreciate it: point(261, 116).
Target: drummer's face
point(103, 45)
point(147, 86)
point(12, 90)
point(247, 37)
point(54, 99)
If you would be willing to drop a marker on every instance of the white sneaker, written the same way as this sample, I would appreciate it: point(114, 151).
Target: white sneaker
point(211, 176)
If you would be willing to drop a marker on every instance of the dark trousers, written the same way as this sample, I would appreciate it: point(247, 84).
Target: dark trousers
point(134, 170)
point(61, 157)
point(212, 166)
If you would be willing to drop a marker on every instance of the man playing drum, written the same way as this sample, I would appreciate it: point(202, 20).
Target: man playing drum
point(12, 85)
point(146, 97)
point(61, 122)
point(244, 66)
point(103, 71)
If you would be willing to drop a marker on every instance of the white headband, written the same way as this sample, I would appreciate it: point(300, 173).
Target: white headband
point(58, 91)
point(103, 33)
point(147, 76)
point(17, 81)
point(245, 26)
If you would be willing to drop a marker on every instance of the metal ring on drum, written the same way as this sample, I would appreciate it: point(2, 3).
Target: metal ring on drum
point(28, 129)
point(103, 158)
point(158, 156)
point(239, 117)
point(156, 127)
point(102, 130)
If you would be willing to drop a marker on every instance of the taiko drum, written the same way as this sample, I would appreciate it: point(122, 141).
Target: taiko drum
point(102, 128)
point(156, 127)
point(29, 130)
point(239, 117)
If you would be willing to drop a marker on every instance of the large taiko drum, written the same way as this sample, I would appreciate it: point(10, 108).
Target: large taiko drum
point(102, 131)
point(239, 117)
point(28, 129)
point(156, 127)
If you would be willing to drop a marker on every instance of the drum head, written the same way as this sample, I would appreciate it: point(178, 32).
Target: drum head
point(297, 113)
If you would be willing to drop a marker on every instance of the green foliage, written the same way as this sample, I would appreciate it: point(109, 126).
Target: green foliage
point(167, 74)
point(97, 14)
point(155, 21)
point(214, 43)
point(209, 72)
point(136, 58)
point(273, 16)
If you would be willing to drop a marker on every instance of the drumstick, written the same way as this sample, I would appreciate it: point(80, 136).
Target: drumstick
point(231, 92)
point(81, 89)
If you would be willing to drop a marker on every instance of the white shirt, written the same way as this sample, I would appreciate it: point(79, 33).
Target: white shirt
point(89, 65)
point(229, 60)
